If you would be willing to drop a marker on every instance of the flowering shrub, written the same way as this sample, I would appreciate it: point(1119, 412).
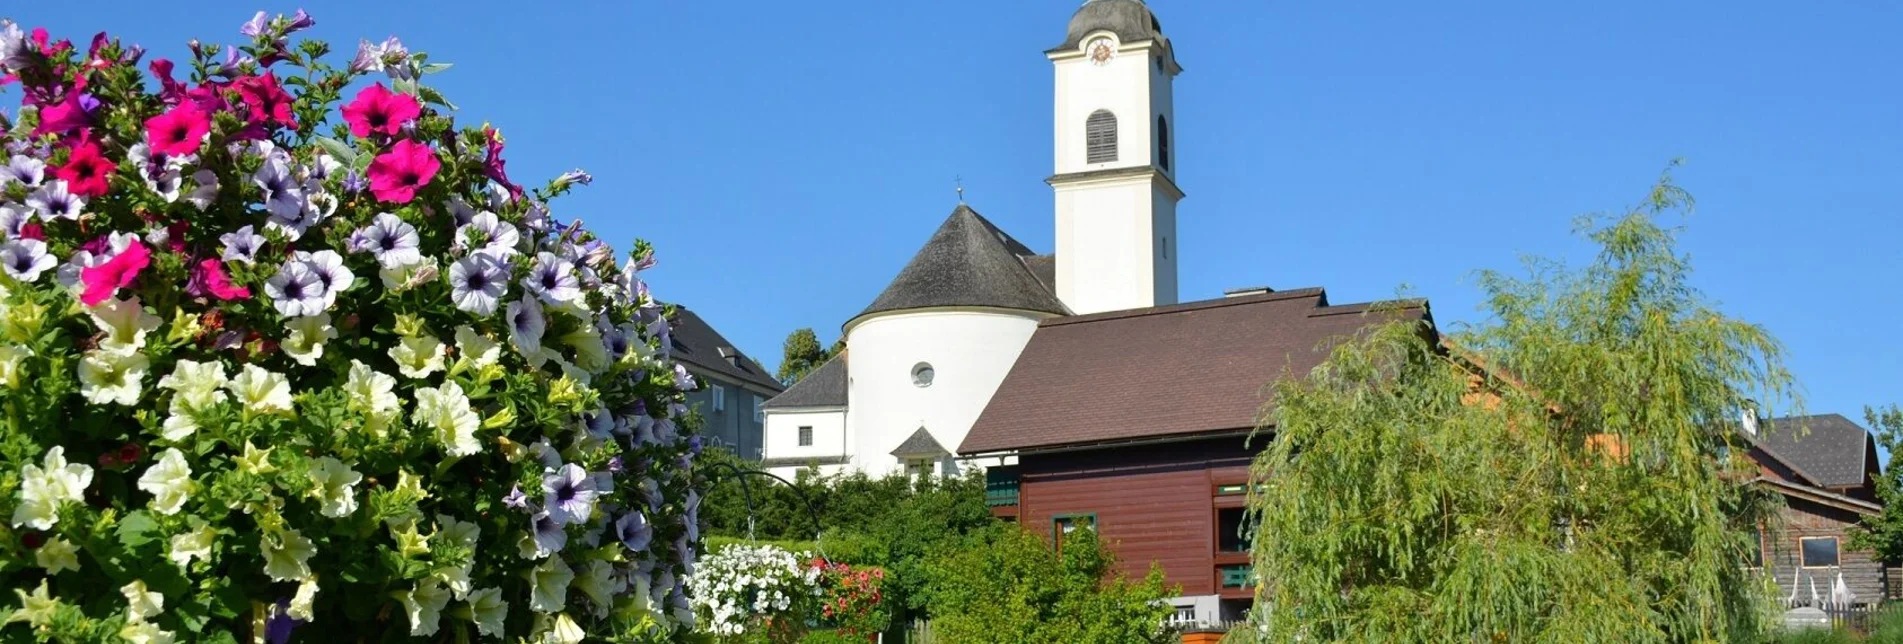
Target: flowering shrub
point(762, 591)
point(854, 599)
point(285, 354)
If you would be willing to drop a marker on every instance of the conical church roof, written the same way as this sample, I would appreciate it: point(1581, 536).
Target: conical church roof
point(968, 262)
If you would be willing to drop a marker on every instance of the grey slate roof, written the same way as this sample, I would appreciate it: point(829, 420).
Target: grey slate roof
point(1044, 268)
point(920, 443)
point(824, 387)
point(968, 262)
point(1834, 450)
point(1130, 20)
point(706, 351)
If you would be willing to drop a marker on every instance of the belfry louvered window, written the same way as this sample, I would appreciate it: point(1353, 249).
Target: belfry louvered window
point(1163, 142)
point(1100, 137)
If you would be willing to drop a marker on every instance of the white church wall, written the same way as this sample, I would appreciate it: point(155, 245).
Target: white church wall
point(969, 352)
point(1122, 86)
point(783, 433)
point(1107, 248)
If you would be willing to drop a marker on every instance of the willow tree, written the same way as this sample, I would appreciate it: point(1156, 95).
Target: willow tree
point(1558, 473)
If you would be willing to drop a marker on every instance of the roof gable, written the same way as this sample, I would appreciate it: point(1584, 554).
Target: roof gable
point(1164, 371)
point(823, 387)
point(968, 262)
point(1828, 447)
point(920, 444)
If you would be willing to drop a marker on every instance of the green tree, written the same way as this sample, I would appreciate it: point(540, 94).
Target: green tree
point(1554, 474)
point(1883, 534)
point(1005, 585)
point(802, 354)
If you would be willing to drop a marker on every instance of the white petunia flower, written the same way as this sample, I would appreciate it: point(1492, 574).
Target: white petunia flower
point(241, 246)
point(53, 201)
point(57, 554)
point(141, 602)
point(498, 238)
point(329, 269)
point(336, 486)
point(424, 605)
point(553, 279)
point(590, 354)
point(124, 322)
point(562, 629)
point(197, 384)
point(295, 290)
point(408, 276)
point(146, 633)
point(488, 610)
point(110, 377)
point(446, 412)
point(548, 585)
point(13, 364)
point(169, 481)
point(25, 259)
point(301, 607)
point(286, 554)
point(44, 489)
point(305, 343)
point(192, 544)
point(478, 349)
point(372, 394)
point(418, 356)
point(207, 190)
point(261, 391)
point(597, 582)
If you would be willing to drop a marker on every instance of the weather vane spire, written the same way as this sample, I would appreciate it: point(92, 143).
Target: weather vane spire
point(959, 182)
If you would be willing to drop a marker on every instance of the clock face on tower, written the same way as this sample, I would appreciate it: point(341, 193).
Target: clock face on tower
point(1101, 51)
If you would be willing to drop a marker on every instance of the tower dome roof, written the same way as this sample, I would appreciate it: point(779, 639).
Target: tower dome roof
point(1130, 20)
point(968, 262)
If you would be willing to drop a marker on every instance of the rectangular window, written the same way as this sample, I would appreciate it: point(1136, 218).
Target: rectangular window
point(806, 436)
point(918, 467)
point(720, 398)
point(1064, 524)
point(1819, 552)
point(1232, 530)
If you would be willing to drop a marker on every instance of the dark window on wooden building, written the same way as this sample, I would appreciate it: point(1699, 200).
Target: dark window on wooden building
point(1064, 524)
point(1100, 137)
point(1232, 530)
point(1819, 552)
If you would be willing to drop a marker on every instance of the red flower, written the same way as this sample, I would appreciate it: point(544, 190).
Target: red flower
point(179, 131)
point(33, 230)
point(130, 453)
point(86, 172)
point(396, 175)
point(266, 102)
point(105, 279)
point(378, 110)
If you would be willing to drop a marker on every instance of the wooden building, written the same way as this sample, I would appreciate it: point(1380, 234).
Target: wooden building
point(1137, 424)
point(1825, 467)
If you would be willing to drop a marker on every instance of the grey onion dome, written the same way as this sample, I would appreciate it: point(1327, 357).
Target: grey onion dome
point(1130, 20)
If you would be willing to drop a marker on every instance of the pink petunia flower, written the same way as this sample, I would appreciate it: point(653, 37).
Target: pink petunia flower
point(87, 171)
point(105, 279)
point(396, 175)
point(209, 278)
point(69, 114)
point(493, 166)
point(377, 109)
point(266, 101)
point(179, 131)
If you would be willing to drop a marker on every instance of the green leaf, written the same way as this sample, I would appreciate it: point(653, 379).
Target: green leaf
point(429, 94)
point(404, 86)
point(433, 68)
point(137, 529)
point(336, 148)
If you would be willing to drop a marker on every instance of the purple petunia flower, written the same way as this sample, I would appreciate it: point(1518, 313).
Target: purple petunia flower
point(278, 629)
point(295, 290)
point(553, 279)
point(25, 170)
point(299, 22)
point(328, 267)
point(255, 26)
point(242, 245)
point(569, 493)
point(599, 423)
point(391, 240)
point(283, 196)
point(13, 219)
point(683, 380)
point(549, 536)
point(355, 182)
point(477, 283)
point(526, 325)
point(616, 466)
point(516, 499)
point(25, 259)
point(499, 239)
point(52, 201)
point(633, 531)
point(577, 175)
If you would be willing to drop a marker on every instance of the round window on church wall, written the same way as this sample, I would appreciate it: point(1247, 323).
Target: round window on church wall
point(922, 374)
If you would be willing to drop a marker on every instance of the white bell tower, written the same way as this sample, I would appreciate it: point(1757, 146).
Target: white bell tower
point(1115, 173)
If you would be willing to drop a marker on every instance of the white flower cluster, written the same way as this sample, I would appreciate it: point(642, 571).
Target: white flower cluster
point(736, 586)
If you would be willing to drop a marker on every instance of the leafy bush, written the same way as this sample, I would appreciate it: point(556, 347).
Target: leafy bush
point(262, 369)
point(1004, 585)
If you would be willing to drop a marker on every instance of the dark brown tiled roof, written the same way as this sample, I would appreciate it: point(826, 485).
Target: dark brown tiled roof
point(1828, 447)
point(1164, 371)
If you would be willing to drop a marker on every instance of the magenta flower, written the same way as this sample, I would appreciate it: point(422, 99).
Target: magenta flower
point(178, 131)
point(492, 164)
point(209, 278)
point(395, 176)
point(105, 279)
point(71, 113)
point(377, 109)
point(268, 103)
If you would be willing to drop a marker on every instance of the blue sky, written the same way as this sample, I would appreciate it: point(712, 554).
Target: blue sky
point(787, 158)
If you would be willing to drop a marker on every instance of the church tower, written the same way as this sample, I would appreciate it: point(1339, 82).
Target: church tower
point(1115, 175)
